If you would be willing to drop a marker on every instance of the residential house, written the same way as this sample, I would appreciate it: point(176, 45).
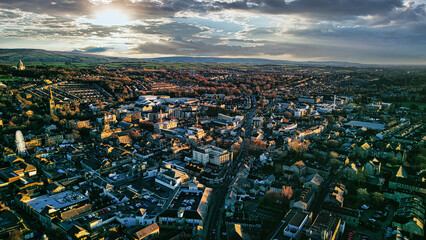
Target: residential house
point(304, 200)
point(373, 167)
point(410, 216)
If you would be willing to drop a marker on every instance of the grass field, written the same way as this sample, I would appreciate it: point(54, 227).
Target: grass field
point(7, 79)
point(408, 104)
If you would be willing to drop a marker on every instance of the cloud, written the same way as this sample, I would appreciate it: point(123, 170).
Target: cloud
point(374, 30)
point(310, 8)
point(321, 8)
point(97, 50)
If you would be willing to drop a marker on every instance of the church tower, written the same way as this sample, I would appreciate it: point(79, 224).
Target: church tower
point(51, 103)
point(106, 122)
point(21, 66)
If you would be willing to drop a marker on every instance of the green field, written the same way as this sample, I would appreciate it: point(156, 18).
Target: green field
point(7, 79)
point(408, 104)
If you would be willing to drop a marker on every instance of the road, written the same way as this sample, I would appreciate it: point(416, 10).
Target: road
point(218, 194)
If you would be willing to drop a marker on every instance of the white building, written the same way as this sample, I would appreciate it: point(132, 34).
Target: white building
point(211, 154)
point(165, 125)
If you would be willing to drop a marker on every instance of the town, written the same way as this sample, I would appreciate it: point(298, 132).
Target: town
point(159, 150)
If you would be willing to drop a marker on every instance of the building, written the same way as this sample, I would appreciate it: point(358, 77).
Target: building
point(350, 171)
point(20, 66)
point(189, 221)
point(150, 232)
point(296, 224)
point(291, 226)
point(402, 180)
point(305, 199)
point(257, 121)
point(373, 167)
point(165, 125)
point(410, 216)
point(41, 207)
point(348, 215)
point(211, 154)
point(171, 178)
point(310, 99)
point(299, 168)
point(335, 195)
point(325, 227)
point(313, 181)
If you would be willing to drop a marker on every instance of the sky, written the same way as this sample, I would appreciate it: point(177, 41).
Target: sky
point(363, 31)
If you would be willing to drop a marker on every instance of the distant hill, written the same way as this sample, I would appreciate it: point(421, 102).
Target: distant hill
point(12, 56)
point(258, 61)
point(43, 56)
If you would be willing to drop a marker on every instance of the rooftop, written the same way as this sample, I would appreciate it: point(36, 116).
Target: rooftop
point(57, 201)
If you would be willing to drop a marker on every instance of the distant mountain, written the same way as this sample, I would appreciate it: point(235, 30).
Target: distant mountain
point(43, 56)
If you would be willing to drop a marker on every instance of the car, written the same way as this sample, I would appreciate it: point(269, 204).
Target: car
point(365, 207)
point(372, 220)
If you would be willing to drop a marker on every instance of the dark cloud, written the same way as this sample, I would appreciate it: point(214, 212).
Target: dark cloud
point(401, 16)
point(367, 54)
point(310, 8)
point(173, 29)
point(324, 8)
point(143, 9)
point(47, 7)
point(92, 50)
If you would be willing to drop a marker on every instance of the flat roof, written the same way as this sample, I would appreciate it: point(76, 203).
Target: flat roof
point(189, 200)
point(58, 201)
point(297, 219)
point(371, 125)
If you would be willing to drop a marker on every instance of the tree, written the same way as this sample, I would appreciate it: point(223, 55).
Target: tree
point(362, 194)
point(334, 163)
point(300, 147)
point(15, 235)
point(377, 199)
point(256, 146)
point(287, 192)
point(361, 177)
point(414, 107)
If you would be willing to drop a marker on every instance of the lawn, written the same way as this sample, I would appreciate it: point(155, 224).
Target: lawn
point(408, 104)
point(7, 79)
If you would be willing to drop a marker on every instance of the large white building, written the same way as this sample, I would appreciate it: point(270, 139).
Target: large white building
point(165, 125)
point(211, 154)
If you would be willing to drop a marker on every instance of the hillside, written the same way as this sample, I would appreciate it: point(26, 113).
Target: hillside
point(12, 56)
point(37, 56)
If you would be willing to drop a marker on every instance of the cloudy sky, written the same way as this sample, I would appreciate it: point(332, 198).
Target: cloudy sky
point(365, 31)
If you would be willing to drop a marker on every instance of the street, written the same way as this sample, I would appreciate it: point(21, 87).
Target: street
point(218, 194)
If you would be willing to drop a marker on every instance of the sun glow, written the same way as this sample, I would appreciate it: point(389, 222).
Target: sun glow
point(111, 17)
